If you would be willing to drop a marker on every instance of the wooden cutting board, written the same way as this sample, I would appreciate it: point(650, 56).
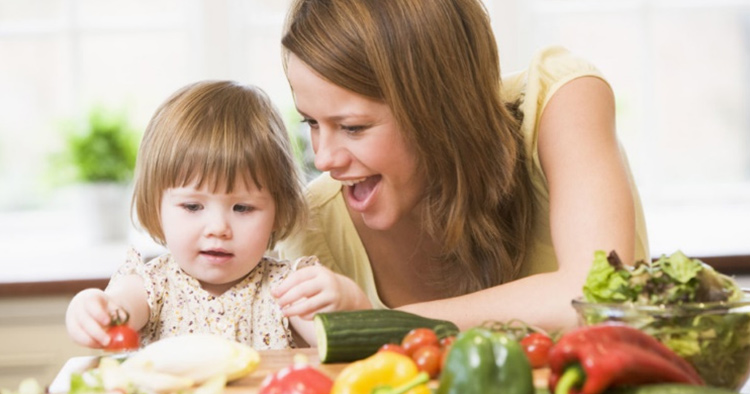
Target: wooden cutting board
point(270, 362)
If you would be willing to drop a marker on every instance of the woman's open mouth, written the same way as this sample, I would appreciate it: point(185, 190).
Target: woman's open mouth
point(359, 193)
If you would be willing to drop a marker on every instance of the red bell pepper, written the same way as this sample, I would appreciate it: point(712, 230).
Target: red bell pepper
point(611, 355)
point(298, 378)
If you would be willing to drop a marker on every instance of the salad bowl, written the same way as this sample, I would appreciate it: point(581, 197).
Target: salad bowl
point(699, 313)
point(714, 337)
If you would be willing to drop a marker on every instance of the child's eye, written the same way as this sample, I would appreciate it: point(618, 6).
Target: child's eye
point(192, 207)
point(243, 208)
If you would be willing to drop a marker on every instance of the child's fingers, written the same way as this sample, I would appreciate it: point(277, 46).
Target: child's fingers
point(88, 332)
point(99, 311)
point(306, 289)
point(304, 283)
point(306, 308)
point(291, 281)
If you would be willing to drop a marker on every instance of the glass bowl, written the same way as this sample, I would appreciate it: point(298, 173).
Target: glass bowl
point(713, 337)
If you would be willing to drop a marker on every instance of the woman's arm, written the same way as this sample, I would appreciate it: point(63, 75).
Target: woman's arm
point(591, 208)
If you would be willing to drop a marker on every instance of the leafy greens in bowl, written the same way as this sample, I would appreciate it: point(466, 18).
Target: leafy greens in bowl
point(696, 311)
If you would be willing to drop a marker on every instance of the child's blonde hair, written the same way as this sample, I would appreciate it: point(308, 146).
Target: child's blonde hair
point(210, 132)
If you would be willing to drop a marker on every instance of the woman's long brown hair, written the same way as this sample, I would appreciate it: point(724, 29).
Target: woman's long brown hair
point(435, 64)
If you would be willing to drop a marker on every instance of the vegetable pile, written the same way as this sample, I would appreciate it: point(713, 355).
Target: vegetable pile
point(682, 302)
point(189, 364)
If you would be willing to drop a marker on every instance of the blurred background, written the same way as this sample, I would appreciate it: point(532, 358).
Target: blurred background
point(680, 70)
point(79, 80)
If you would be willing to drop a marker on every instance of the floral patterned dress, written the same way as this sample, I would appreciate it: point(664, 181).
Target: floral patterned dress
point(246, 313)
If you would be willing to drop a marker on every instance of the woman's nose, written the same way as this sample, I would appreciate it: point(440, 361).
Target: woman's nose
point(329, 154)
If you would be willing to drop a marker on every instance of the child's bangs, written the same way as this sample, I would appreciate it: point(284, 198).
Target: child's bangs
point(216, 167)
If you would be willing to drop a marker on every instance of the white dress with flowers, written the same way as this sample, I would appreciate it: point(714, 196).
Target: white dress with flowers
point(246, 313)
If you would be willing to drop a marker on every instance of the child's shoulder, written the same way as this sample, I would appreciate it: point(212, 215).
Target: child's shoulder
point(135, 262)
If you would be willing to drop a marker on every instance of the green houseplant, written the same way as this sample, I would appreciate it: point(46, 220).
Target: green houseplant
point(99, 156)
point(103, 148)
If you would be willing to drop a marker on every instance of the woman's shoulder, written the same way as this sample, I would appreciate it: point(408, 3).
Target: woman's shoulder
point(553, 67)
point(559, 61)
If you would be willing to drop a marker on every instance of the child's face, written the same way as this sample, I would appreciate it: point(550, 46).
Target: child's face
point(217, 238)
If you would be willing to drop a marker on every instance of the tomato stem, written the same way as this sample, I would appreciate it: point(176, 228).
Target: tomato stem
point(117, 319)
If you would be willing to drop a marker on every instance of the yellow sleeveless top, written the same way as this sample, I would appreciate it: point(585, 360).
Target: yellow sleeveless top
point(331, 236)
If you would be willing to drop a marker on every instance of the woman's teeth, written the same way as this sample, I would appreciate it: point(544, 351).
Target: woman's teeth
point(352, 182)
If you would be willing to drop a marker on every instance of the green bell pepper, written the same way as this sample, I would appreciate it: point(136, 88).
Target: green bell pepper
point(483, 361)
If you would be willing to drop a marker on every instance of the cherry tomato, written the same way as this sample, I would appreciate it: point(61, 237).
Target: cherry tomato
point(444, 357)
point(121, 336)
point(392, 347)
point(417, 338)
point(536, 346)
point(445, 346)
point(428, 359)
point(446, 342)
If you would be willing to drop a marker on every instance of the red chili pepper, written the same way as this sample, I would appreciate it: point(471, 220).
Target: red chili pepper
point(610, 355)
point(298, 378)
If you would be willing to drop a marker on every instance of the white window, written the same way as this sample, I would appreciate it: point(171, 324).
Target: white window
point(680, 70)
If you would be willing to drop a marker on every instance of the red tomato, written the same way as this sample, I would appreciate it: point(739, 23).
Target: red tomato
point(392, 347)
point(121, 336)
point(428, 359)
point(536, 346)
point(417, 338)
point(446, 342)
point(444, 357)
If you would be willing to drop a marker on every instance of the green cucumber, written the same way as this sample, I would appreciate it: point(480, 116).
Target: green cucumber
point(669, 388)
point(353, 335)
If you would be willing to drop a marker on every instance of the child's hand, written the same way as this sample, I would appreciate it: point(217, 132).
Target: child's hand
point(88, 317)
point(317, 289)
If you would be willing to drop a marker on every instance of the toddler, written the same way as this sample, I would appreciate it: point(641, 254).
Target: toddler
point(217, 185)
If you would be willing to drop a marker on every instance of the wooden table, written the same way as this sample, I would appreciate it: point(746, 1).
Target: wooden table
point(274, 360)
point(270, 362)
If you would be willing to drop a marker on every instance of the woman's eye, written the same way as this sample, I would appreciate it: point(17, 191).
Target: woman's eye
point(352, 129)
point(312, 123)
point(191, 207)
point(243, 208)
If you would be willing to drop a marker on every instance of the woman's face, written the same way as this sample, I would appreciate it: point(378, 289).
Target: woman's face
point(358, 141)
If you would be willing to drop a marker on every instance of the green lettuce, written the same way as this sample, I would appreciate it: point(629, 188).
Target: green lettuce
point(605, 283)
point(716, 342)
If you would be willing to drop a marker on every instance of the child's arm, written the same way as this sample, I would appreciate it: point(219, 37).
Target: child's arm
point(318, 289)
point(305, 330)
point(90, 311)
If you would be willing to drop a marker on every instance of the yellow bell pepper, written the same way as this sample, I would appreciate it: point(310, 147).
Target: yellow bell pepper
point(382, 373)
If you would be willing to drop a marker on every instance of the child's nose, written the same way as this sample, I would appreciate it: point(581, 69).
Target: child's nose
point(219, 226)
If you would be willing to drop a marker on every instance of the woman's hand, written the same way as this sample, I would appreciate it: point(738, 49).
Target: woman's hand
point(318, 289)
point(88, 317)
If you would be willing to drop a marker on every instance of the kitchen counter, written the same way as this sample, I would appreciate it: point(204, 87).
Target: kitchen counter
point(270, 362)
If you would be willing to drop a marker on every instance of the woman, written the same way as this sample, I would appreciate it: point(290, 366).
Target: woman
point(447, 191)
